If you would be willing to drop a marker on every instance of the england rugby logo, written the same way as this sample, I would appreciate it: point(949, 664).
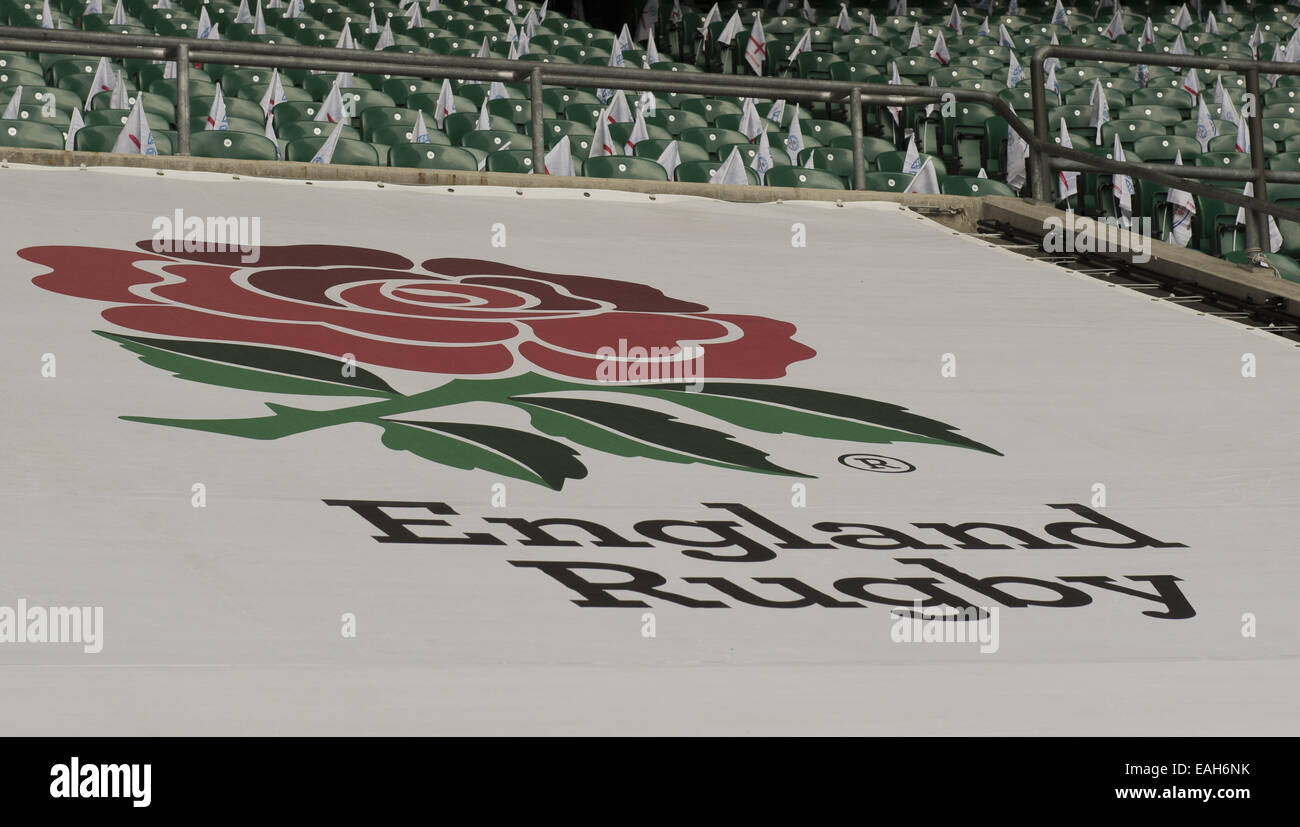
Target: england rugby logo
point(307, 318)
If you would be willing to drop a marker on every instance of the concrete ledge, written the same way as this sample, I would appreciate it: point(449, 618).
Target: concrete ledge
point(956, 211)
point(1249, 283)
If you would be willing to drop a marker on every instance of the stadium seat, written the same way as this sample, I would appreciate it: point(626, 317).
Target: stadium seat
point(347, 151)
point(432, 156)
point(804, 178)
point(233, 145)
point(20, 133)
point(622, 166)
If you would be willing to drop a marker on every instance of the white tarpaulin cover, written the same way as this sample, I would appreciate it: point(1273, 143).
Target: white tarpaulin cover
point(206, 445)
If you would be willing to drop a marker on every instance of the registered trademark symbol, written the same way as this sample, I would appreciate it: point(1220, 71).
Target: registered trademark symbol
point(877, 463)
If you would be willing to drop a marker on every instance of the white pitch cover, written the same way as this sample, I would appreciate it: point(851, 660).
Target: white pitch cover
point(869, 397)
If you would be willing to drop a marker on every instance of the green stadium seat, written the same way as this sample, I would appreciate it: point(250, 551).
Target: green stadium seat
point(293, 130)
point(241, 145)
point(627, 167)
point(31, 135)
point(968, 185)
point(347, 151)
point(799, 177)
point(700, 172)
point(432, 156)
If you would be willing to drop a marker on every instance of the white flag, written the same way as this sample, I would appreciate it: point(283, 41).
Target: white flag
point(732, 171)
point(894, 80)
point(559, 161)
point(76, 123)
point(331, 109)
point(386, 38)
point(446, 103)
point(11, 112)
point(484, 122)
point(756, 48)
point(750, 123)
point(103, 81)
point(651, 49)
point(1183, 19)
point(414, 19)
point(497, 91)
point(345, 40)
point(1121, 187)
point(119, 15)
point(372, 27)
point(1148, 35)
point(670, 159)
point(1205, 127)
point(135, 137)
point(1059, 17)
point(120, 97)
point(915, 41)
point(1017, 152)
point(1192, 83)
point(777, 111)
point(728, 34)
point(1256, 40)
point(1052, 84)
point(639, 133)
point(47, 19)
point(807, 13)
point(1015, 73)
point(843, 23)
point(1274, 234)
point(763, 159)
point(924, 182)
point(872, 29)
point(269, 132)
point(794, 138)
point(1184, 209)
point(1116, 26)
point(1100, 108)
point(940, 50)
point(274, 94)
point(93, 7)
point(911, 158)
point(243, 15)
point(325, 155)
point(1211, 25)
point(420, 132)
point(602, 144)
point(1243, 136)
point(646, 22)
point(1218, 90)
point(1004, 36)
point(954, 19)
point(618, 111)
point(804, 45)
point(1068, 181)
point(217, 119)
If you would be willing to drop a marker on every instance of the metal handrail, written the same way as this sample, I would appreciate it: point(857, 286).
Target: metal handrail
point(1257, 214)
point(1045, 154)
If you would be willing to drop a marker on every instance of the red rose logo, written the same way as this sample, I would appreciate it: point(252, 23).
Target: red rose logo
point(456, 316)
point(288, 325)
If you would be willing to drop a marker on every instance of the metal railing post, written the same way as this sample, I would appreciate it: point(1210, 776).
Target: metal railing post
point(855, 127)
point(182, 100)
point(539, 130)
point(1040, 163)
point(1255, 220)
